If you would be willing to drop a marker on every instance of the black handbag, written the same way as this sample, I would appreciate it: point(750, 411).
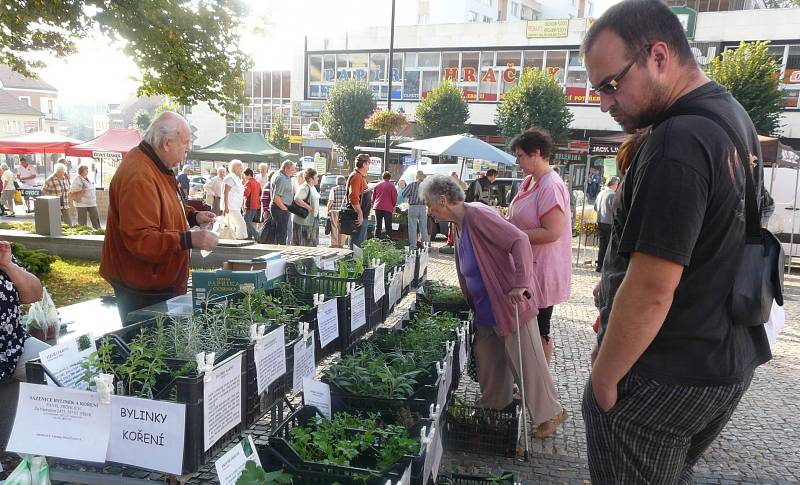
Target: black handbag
point(297, 210)
point(347, 220)
point(759, 278)
point(267, 235)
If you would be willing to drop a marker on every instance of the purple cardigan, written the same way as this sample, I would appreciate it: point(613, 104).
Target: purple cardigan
point(505, 261)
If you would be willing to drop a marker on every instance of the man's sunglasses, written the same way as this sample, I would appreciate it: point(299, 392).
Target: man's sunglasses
point(612, 85)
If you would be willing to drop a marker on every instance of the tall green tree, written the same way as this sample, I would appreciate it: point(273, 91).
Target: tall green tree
point(750, 74)
point(166, 105)
point(348, 106)
point(782, 3)
point(142, 120)
point(443, 112)
point(538, 99)
point(277, 135)
point(185, 50)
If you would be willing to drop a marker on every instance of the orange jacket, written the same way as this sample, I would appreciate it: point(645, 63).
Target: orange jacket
point(252, 195)
point(147, 238)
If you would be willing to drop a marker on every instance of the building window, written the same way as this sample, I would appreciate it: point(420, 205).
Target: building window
point(515, 9)
point(487, 20)
point(791, 78)
point(25, 99)
point(472, 16)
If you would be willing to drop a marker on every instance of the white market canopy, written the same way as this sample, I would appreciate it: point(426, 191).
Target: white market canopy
point(465, 145)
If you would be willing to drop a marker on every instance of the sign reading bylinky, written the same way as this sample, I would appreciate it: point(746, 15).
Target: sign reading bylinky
point(548, 28)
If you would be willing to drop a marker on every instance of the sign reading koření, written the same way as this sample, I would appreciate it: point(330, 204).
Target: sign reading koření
point(147, 433)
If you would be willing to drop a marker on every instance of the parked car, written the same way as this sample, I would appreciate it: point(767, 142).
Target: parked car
point(326, 183)
point(196, 184)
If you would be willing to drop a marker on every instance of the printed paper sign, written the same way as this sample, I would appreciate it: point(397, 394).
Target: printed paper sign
point(231, 465)
point(436, 451)
point(317, 394)
point(60, 422)
point(270, 357)
point(329, 265)
point(275, 269)
point(358, 309)
point(303, 362)
point(378, 282)
point(423, 263)
point(147, 433)
point(64, 361)
point(328, 322)
point(441, 398)
point(406, 478)
point(222, 400)
point(462, 350)
point(395, 288)
point(408, 270)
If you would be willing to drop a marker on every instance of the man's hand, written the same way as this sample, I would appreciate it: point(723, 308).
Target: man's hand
point(5, 254)
point(605, 393)
point(359, 220)
point(516, 295)
point(204, 219)
point(204, 239)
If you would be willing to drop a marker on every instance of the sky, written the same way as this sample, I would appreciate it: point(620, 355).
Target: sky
point(99, 72)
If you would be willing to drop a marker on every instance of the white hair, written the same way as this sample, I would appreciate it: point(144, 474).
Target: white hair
point(262, 165)
point(59, 167)
point(165, 127)
point(435, 186)
point(233, 163)
point(285, 164)
point(223, 169)
point(3, 166)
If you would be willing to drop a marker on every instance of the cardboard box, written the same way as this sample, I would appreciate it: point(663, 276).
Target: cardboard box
point(213, 284)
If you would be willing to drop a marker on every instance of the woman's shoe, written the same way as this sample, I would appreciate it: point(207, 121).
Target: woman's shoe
point(549, 427)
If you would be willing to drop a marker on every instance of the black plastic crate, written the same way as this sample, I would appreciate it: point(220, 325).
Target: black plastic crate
point(279, 446)
point(456, 479)
point(472, 428)
point(186, 390)
point(450, 307)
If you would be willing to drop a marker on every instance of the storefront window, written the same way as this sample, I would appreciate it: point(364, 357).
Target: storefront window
point(411, 84)
point(286, 85)
point(428, 59)
point(555, 62)
point(576, 79)
point(508, 67)
point(533, 59)
point(377, 67)
point(359, 64)
point(276, 85)
point(314, 68)
point(248, 83)
point(450, 66)
point(342, 66)
point(488, 78)
point(468, 77)
point(430, 79)
point(791, 78)
point(329, 68)
point(258, 85)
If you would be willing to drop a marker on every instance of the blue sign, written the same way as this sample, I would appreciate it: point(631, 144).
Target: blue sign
point(408, 161)
point(340, 161)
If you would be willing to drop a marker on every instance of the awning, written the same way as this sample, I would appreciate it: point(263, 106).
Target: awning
point(247, 147)
point(38, 142)
point(119, 140)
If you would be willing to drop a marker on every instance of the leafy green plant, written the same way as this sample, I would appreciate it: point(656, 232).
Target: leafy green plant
point(84, 342)
point(349, 438)
point(36, 261)
point(255, 475)
point(370, 372)
point(351, 268)
point(138, 373)
point(438, 292)
point(383, 251)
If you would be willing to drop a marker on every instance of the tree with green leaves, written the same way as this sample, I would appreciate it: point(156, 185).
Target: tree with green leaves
point(782, 3)
point(750, 74)
point(538, 99)
point(443, 112)
point(277, 135)
point(166, 105)
point(348, 106)
point(142, 120)
point(185, 50)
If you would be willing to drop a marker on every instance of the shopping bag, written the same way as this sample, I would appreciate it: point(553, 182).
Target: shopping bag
point(775, 322)
point(31, 471)
point(18, 198)
point(225, 228)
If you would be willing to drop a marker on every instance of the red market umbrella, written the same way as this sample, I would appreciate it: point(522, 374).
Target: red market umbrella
point(38, 142)
point(119, 140)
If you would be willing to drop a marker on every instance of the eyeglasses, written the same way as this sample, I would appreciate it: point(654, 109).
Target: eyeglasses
point(612, 85)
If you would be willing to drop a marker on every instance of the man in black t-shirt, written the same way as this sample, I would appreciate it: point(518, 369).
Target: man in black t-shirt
point(670, 367)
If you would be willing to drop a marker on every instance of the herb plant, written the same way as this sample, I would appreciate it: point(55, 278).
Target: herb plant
point(255, 475)
point(384, 251)
point(371, 372)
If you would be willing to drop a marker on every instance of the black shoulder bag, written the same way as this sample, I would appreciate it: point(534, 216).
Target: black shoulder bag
point(759, 278)
point(296, 209)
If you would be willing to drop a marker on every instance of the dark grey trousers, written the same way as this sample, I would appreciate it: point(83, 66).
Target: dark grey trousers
point(655, 433)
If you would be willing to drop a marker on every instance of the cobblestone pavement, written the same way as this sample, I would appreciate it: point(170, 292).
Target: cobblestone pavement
point(759, 445)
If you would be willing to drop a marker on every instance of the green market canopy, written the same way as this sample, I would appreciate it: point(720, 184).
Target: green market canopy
point(247, 147)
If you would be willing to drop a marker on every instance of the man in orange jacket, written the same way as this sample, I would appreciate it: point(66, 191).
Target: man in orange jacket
point(148, 242)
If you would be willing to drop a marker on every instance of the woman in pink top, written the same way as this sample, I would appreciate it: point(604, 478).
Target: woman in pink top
point(385, 201)
point(541, 210)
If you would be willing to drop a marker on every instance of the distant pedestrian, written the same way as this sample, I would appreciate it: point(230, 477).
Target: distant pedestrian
point(672, 361)
point(401, 185)
point(282, 194)
point(384, 204)
point(252, 203)
point(58, 185)
point(86, 204)
point(8, 189)
point(359, 197)
point(458, 180)
point(305, 230)
point(263, 175)
point(233, 197)
point(213, 190)
point(183, 181)
point(481, 189)
point(417, 213)
point(336, 199)
point(26, 174)
point(540, 210)
point(605, 217)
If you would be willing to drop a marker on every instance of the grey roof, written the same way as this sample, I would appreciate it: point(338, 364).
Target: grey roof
point(11, 105)
point(12, 79)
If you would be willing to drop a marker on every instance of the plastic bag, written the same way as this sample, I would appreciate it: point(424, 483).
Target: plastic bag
point(30, 471)
point(774, 325)
point(225, 228)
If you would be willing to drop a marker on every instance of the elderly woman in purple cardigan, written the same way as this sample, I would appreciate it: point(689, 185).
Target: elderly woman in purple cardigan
point(495, 267)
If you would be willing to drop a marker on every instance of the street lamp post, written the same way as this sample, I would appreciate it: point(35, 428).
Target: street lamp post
point(389, 94)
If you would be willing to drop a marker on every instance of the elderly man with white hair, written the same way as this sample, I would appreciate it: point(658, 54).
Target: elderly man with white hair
point(58, 185)
point(213, 190)
point(148, 242)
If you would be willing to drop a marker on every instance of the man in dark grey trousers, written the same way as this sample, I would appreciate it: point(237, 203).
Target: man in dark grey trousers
point(670, 365)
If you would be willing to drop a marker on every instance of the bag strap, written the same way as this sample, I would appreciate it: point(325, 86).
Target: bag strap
point(752, 224)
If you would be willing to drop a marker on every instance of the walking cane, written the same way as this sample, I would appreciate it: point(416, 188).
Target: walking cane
point(522, 377)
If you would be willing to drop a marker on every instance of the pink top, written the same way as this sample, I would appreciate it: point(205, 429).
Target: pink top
point(553, 270)
point(385, 196)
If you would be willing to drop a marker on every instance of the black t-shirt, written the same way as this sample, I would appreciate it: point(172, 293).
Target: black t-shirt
point(682, 200)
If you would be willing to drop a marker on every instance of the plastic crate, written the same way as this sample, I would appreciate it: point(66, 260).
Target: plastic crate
point(472, 428)
point(280, 448)
point(456, 479)
point(450, 307)
point(185, 390)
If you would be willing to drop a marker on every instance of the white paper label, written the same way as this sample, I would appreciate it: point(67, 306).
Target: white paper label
point(448, 375)
point(408, 270)
point(222, 400)
point(317, 394)
point(395, 288)
point(358, 309)
point(429, 448)
point(329, 265)
point(147, 433)
point(437, 452)
point(303, 362)
point(423, 262)
point(462, 350)
point(441, 398)
point(60, 422)
point(64, 361)
point(275, 269)
point(379, 283)
point(406, 478)
point(270, 357)
point(231, 465)
point(327, 322)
